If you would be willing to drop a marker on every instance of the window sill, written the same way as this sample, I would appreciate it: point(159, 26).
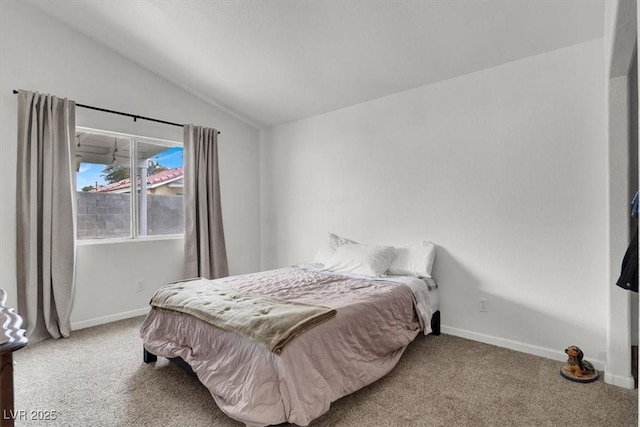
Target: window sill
point(117, 241)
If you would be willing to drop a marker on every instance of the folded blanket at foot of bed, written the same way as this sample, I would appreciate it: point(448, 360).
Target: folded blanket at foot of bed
point(270, 322)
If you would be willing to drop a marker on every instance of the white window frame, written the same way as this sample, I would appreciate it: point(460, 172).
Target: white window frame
point(134, 204)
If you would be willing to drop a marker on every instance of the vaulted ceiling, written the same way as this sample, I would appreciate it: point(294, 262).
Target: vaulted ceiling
point(272, 62)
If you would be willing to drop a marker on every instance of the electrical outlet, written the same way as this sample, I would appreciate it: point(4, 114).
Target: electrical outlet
point(139, 285)
point(483, 305)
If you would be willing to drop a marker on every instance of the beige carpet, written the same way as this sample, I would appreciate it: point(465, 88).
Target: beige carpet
point(97, 378)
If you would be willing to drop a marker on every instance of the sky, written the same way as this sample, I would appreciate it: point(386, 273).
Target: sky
point(90, 173)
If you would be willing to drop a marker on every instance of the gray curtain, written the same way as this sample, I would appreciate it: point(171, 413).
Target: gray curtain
point(205, 251)
point(46, 217)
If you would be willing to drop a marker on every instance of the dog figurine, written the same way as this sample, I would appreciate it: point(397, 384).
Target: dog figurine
point(575, 366)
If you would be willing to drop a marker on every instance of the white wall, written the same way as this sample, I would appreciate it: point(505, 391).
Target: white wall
point(505, 169)
point(620, 41)
point(40, 54)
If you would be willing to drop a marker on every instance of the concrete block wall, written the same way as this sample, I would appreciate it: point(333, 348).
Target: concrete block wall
point(107, 215)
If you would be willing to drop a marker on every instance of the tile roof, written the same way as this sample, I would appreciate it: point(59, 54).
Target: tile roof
point(153, 180)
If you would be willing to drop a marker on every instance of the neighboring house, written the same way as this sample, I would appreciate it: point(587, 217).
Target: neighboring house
point(167, 182)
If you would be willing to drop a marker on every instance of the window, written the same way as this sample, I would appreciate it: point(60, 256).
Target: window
point(105, 164)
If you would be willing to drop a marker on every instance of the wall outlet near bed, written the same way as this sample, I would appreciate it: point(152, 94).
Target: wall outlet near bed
point(483, 305)
point(139, 285)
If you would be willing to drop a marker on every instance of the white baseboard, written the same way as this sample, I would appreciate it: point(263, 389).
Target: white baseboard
point(108, 319)
point(517, 346)
point(619, 380)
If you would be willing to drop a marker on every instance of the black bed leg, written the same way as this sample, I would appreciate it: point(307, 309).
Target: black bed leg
point(435, 323)
point(148, 357)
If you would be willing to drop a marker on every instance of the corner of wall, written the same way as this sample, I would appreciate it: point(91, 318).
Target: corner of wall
point(620, 42)
point(263, 141)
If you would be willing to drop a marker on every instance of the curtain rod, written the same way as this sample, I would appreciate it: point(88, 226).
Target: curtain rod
point(134, 116)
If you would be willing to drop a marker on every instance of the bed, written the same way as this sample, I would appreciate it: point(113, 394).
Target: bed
point(366, 326)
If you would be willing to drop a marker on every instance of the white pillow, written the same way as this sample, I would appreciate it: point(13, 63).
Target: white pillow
point(415, 260)
point(326, 251)
point(367, 260)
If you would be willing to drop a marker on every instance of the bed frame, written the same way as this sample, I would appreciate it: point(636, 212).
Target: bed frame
point(149, 357)
point(435, 323)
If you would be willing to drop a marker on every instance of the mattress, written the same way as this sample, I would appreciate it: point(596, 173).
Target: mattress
point(376, 319)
